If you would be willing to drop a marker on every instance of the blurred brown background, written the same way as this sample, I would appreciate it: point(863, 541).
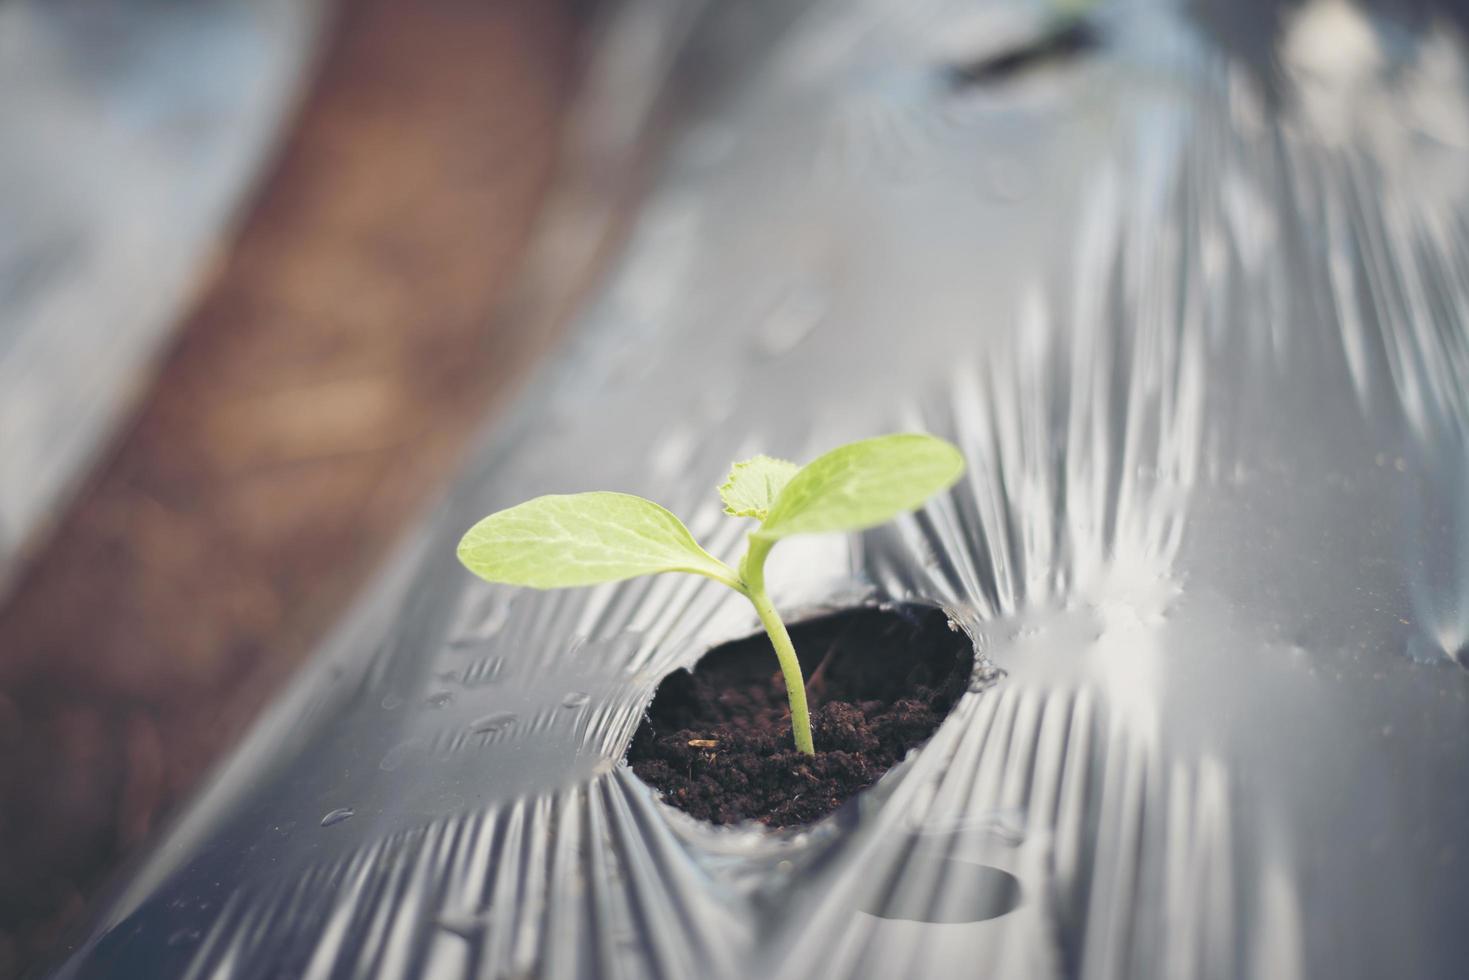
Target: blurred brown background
point(321, 391)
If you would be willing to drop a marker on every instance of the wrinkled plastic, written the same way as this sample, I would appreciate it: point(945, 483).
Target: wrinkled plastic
point(1191, 297)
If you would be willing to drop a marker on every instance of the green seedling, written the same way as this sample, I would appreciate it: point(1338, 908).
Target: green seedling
point(562, 541)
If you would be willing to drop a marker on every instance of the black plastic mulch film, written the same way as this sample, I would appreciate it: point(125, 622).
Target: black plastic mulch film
point(1193, 299)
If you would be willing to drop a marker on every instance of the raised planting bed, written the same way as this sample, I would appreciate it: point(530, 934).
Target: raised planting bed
point(1190, 321)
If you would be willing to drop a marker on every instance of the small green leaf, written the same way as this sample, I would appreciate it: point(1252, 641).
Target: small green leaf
point(863, 484)
point(753, 485)
point(560, 541)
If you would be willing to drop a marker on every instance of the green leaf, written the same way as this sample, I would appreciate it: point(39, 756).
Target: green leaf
point(753, 485)
point(560, 541)
point(863, 484)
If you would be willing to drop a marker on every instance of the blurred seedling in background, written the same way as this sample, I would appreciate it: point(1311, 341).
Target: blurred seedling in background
point(562, 541)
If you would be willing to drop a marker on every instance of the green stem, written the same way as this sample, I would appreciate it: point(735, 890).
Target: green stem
point(752, 572)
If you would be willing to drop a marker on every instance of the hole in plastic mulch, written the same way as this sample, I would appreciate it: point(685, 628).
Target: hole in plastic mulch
point(717, 742)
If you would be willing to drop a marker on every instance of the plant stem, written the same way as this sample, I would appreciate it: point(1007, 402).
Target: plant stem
point(752, 573)
point(790, 669)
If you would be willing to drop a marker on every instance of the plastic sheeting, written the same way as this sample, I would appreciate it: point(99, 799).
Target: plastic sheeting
point(1191, 295)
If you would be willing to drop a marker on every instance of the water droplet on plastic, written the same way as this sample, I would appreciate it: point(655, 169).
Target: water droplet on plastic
point(440, 699)
point(397, 755)
point(184, 937)
point(485, 616)
point(337, 816)
point(450, 802)
point(575, 699)
point(489, 724)
point(391, 702)
point(971, 893)
point(467, 925)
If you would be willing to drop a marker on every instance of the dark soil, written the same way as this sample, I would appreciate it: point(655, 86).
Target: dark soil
point(717, 742)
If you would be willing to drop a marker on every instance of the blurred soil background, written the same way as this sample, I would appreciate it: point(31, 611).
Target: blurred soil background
point(317, 397)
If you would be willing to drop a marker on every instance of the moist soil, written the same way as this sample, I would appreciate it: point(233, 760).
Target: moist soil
point(717, 742)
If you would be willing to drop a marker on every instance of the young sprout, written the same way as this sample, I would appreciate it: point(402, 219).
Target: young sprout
point(561, 541)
